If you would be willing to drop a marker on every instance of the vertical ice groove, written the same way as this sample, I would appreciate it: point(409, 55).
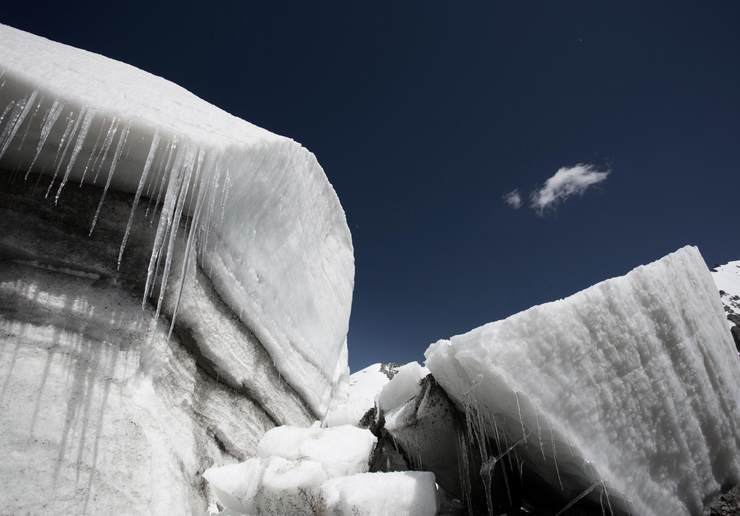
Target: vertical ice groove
point(111, 171)
point(147, 165)
point(15, 123)
point(50, 119)
point(87, 119)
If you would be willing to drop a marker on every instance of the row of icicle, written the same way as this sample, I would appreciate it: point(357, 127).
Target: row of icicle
point(482, 432)
point(192, 181)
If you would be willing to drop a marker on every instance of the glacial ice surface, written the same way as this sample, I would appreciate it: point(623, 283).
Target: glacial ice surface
point(265, 224)
point(362, 390)
point(404, 385)
point(402, 493)
point(627, 393)
point(291, 465)
point(342, 450)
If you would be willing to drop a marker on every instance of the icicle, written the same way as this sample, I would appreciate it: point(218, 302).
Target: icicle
point(165, 173)
point(7, 109)
point(555, 459)
point(69, 130)
point(93, 152)
point(174, 173)
point(147, 165)
point(87, 120)
point(490, 464)
point(46, 126)
point(190, 166)
point(116, 155)
point(578, 498)
point(188, 246)
point(539, 435)
point(65, 134)
point(15, 122)
point(521, 421)
point(109, 136)
point(605, 492)
point(30, 121)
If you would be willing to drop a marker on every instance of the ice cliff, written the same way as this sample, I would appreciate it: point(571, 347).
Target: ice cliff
point(268, 228)
point(174, 282)
point(626, 394)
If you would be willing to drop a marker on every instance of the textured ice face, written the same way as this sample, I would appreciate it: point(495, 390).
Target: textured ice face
point(267, 227)
point(629, 388)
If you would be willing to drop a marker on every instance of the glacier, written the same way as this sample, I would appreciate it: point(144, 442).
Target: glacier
point(174, 282)
point(625, 395)
point(265, 224)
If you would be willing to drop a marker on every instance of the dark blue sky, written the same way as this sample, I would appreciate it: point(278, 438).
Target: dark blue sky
point(423, 114)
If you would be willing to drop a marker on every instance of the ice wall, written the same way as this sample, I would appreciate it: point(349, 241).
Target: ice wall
point(626, 393)
point(266, 225)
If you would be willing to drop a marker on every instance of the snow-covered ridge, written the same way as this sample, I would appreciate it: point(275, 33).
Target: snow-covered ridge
point(266, 225)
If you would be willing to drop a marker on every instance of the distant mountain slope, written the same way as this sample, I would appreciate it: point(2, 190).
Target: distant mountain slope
point(727, 278)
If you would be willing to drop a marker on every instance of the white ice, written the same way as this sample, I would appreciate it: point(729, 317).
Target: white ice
point(341, 450)
point(404, 493)
point(630, 388)
point(267, 227)
point(404, 386)
point(274, 486)
point(364, 386)
point(291, 464)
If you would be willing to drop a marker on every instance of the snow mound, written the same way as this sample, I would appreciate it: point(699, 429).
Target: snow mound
point(404, 386)
point(405, 493)
point(363, 389)
point(627, 392)
point(265, 224)
point(341, 450)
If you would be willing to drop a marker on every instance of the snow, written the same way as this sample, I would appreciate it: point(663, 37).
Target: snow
point(341, 450)
point(404, 386)
point(364, 386)
point(293, 464)
point(267, 485)
point(266, 225)
point(407, 493)
point(628, 391)
point(727, 279)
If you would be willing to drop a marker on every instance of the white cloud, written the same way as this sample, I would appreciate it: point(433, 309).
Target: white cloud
point(513, 199)
point(567, 182)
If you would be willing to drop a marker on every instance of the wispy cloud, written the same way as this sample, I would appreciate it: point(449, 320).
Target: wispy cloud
point(513, 199)
point(567, 182)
